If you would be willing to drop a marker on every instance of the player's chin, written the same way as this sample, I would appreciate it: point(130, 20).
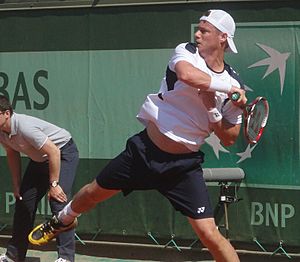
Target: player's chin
point(199, 46)
point(197, 43)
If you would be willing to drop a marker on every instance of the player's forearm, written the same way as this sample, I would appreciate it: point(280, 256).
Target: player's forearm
point(192, 76)
point(226, 132)
point(198, 79)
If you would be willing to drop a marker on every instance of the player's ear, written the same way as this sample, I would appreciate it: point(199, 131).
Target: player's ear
point(223, 39)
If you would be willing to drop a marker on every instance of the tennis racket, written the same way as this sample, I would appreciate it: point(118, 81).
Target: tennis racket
point(255, 117)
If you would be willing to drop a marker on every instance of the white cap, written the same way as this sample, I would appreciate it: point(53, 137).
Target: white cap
point(225, 23)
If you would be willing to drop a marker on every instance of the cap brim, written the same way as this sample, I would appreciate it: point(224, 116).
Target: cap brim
point(231, 45)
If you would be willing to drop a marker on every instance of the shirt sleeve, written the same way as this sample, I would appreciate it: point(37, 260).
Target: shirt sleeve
point(181, 54)
point(34, 136)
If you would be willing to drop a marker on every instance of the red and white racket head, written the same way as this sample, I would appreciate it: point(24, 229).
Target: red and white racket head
point(256, 117)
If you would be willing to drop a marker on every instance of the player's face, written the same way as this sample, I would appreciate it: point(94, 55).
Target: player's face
point(207, 37)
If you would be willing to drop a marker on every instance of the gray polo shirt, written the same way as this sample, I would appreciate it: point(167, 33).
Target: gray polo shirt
point(29, 134)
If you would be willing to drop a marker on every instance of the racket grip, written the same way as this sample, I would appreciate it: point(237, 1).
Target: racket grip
point(235, 96)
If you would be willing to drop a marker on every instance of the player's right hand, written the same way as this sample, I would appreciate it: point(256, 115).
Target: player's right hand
point(242, 99)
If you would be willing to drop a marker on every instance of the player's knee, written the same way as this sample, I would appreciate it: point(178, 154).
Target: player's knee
point(210, 237)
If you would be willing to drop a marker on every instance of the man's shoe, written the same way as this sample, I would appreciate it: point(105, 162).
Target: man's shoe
point(5, 258)
point(61, 260)
point(44, 233)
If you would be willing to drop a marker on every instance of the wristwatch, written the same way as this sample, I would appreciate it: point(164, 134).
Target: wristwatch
point(54, 183)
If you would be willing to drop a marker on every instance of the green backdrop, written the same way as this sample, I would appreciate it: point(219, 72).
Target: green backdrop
point(89, 70)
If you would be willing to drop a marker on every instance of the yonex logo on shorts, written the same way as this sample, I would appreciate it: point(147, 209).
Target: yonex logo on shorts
point(201, 210)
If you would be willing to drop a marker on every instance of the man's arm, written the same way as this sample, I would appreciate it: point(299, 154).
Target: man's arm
point(14, 164)
point(226, 132)
point(196, 78)
point(192, 76)
point(53, 153)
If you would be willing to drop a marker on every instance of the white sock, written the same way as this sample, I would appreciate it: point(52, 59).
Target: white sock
point(67, 215)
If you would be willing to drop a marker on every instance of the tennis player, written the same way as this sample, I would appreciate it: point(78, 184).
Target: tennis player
point(191, 104)
point(51, 168)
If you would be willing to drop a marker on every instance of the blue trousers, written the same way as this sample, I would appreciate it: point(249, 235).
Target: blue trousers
point(34, 186)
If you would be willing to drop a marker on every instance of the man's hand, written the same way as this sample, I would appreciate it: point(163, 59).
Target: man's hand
point(57, 193)
point(242, 100)
point(17, 194)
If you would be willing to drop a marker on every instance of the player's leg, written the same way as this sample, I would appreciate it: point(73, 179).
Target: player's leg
point(86, 199)
point(188, 194)
point(209, 235)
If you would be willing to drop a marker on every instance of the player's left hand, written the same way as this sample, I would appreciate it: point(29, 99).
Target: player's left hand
point(58, 194)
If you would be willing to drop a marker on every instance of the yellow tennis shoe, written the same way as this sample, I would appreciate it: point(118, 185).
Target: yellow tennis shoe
point(44, 233)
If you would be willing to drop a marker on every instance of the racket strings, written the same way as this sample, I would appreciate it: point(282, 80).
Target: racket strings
point(257, 116)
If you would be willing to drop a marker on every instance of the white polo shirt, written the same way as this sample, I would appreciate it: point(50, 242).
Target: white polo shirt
point(178, 110)
point(29, 134)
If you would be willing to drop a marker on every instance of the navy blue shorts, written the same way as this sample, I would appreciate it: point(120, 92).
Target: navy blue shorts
point(143, 166)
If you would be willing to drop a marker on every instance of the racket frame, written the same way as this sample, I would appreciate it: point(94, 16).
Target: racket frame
point(248, 113)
